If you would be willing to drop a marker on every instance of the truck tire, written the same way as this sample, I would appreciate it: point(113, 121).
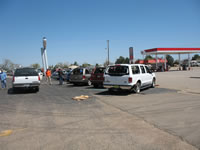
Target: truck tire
point(14, 89)
point(153, 83)
point(95, 85)
point(37, 89)
point(137, 87)
point(89, 83)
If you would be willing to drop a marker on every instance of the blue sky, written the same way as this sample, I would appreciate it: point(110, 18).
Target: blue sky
point(77, 30)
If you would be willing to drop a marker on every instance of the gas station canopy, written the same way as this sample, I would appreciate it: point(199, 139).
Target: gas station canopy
point(172, 51)
point(165, 51)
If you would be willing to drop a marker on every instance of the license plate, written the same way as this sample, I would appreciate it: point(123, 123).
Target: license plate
point(116, 86)
point(98, 76)
point(26, 85)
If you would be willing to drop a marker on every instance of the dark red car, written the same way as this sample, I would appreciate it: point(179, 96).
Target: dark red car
point(97, 76)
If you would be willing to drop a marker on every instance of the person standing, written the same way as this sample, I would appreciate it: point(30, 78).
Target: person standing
point(48, 75)
point(60, 75)
point(3, 78)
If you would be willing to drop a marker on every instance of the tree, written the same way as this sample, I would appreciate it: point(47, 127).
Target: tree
point(51, 67)
point(58, 65)
point(65, 65)
point(148, 57)
point(61, 65)
point(75, 63)
point(97, 65)
point(196, 57)
point(86, 65)
point(170, 60)
point(105, 63)
point(122, 60)
point(8, 65)
point(36, 66)
point(176, 62)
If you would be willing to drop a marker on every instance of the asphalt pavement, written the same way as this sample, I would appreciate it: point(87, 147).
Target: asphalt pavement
point(51, 119)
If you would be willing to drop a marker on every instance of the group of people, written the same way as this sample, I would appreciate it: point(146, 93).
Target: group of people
point(3, 78)
point(60, 76)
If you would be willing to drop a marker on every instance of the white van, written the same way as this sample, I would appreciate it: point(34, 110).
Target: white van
point(129, 76)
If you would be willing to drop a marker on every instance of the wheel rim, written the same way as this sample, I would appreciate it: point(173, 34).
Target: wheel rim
point(137, 88)
point(153, 83)
point(89, 82)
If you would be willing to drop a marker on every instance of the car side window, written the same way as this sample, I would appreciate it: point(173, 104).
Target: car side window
point(87, 72)
point(135, 69)
point(147, 69)
point(142, 68)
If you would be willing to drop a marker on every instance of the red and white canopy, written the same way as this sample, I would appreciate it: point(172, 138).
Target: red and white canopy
point(172, 50)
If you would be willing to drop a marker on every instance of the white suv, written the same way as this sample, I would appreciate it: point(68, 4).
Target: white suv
point(129, 76)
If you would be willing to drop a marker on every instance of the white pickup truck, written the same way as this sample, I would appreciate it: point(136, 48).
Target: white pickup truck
point(129, 76)
point(26, 78)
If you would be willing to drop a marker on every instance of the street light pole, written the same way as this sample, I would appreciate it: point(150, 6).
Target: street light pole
point(108, 51)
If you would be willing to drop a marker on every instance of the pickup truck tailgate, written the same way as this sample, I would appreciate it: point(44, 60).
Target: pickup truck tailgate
point(26, 80)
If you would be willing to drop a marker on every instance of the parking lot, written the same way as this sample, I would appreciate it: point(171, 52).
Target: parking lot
point(165, 117)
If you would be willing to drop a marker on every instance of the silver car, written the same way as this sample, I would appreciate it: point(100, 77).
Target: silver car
point(80, 76)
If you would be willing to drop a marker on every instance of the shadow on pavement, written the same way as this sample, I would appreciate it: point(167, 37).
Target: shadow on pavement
point(91, 87)
point(115, 93)
point(145, 91)
point(20, 91)
point(195, 77)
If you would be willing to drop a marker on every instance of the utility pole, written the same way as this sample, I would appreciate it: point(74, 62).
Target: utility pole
point(108, 51)
point(143, 53)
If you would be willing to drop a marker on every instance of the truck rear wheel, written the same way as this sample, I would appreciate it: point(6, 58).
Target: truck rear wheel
point(14, 89)
point(95, 85)
point(137, 87)
point(37, 89)
point(153, 83)
point(89, 83)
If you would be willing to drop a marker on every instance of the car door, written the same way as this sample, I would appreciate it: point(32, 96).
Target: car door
point(143, 75)
point(87, 74)
point(135, 73)
point(149, 75)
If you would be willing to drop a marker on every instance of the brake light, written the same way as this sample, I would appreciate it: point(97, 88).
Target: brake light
point(83, 77)
point(13, 80)
point(129, 80)
point(39, 78)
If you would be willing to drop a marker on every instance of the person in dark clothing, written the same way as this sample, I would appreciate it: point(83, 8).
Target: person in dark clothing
point(60, 75)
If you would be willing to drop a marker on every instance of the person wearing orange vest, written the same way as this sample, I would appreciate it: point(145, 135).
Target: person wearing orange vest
point(48, 75)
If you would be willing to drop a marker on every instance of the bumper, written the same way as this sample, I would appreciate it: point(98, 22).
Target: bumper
point(31, 85)
point(78, 81)
point(124, 87)
point(97, 82)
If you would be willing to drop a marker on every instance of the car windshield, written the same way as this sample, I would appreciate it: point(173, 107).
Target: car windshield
point(118, 70)
point(78, 71)
point(26, 72)
point(99, 70)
